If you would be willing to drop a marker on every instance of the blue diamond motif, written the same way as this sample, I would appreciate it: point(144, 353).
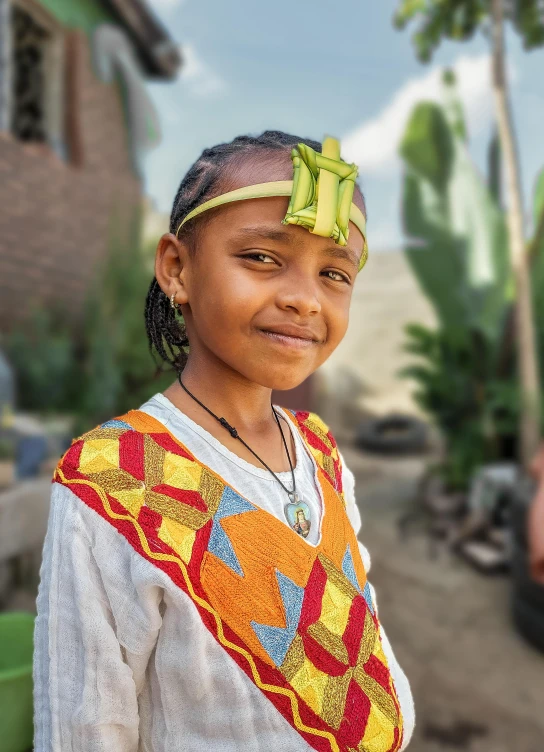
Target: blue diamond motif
point(368, 597)
point(232, 503)
point(116, 424)
point(348, 569)
point(276, 640)
point(219, 544)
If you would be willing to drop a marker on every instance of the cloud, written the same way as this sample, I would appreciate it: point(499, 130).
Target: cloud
point(373, 144)
point(201, 80)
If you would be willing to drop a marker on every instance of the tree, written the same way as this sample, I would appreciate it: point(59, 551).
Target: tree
point(459, 20)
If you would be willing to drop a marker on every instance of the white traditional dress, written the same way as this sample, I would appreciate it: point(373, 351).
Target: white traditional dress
point(177, 610)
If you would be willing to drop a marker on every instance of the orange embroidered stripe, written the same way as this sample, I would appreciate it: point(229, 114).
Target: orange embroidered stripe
point(301, 726)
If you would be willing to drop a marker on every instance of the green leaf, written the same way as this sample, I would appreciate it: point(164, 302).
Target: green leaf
point(528, 19)
point(406, 10)
point(494, 167)
point(456, 239)
point(538, 198)
point(427, 145)
point(459, 20)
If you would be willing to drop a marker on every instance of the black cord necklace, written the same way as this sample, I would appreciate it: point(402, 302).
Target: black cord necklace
point(293, 496)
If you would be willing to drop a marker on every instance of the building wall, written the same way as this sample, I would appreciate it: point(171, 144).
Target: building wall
point(83, 14)
point(54, 213)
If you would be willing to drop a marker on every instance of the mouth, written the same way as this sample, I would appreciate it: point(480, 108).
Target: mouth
point(295, 341)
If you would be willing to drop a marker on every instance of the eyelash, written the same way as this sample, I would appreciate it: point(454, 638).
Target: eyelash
point(258, 255)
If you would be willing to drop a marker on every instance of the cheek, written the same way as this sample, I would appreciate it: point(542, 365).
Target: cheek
point(224, 305)
point(338, 319)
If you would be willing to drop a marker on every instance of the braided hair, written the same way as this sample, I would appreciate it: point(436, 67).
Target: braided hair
point(166, 332)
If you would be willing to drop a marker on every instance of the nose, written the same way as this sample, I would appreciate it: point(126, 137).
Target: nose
point(299, 294)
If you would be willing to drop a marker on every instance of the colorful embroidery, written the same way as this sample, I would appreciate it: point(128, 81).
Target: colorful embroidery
point(297, 619)
point(322, 445)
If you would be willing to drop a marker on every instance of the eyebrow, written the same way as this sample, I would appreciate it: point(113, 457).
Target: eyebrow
point(343, 252)
point(270, 233)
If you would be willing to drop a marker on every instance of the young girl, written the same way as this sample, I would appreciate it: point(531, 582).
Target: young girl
point(202, 586)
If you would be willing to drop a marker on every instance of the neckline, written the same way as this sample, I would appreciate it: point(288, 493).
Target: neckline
point(259, 472)
point(318, 472)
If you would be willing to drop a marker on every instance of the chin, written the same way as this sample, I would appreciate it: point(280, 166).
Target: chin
point(274, 372)
point(284, 379)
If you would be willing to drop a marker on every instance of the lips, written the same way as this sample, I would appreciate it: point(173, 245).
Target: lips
point(296, 332)
point(290, 337)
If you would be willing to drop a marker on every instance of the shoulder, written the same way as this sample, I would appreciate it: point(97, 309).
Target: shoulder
point(110, 444)
point(102, 441)
point(315, 429)
point(107, 460)
point(130, 469)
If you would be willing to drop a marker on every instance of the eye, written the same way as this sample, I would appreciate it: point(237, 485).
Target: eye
point(336, 276)
point(264, 257)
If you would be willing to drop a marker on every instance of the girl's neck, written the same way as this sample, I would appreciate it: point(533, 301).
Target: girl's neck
point(244, 404)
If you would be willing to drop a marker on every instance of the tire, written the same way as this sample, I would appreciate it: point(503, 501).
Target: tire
point(529, 622)
point(410, 435)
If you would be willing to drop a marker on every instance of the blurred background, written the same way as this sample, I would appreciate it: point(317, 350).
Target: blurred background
point(435, 394)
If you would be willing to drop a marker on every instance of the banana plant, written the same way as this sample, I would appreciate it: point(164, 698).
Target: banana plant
point(457, 246)
point(459, 20)
point(476, 412)
point(456, 233)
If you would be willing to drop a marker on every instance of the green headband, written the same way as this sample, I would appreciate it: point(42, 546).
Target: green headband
point(320, 194)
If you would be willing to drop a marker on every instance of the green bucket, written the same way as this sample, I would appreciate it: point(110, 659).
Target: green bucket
point(16, 707)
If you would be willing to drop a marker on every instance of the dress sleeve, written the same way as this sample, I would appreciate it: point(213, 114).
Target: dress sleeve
point(402, 685)
point(92, 637)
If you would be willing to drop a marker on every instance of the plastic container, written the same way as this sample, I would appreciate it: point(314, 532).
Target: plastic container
point(16, 706)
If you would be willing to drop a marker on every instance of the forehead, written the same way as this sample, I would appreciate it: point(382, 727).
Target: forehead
point(251, 221)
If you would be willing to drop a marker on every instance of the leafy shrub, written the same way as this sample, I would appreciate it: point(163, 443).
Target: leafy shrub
point(477, 414)
point(42, 354)
point(100, 366)
point(118, 372)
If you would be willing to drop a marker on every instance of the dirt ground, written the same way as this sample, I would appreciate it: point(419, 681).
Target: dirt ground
point(477, 686)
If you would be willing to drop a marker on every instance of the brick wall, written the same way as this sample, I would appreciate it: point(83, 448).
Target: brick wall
point(55, 215)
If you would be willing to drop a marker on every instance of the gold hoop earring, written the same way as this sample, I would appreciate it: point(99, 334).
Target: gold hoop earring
point(173, 304)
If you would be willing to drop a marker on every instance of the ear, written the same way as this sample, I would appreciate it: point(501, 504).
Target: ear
point(171, 266)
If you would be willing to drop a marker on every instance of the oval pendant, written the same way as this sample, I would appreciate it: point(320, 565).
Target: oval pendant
point(297, 513)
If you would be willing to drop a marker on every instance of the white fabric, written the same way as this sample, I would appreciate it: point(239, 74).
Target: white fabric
point(122, 660)
point(255, 483)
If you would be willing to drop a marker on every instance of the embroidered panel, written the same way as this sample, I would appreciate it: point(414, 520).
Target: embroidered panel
point(298, 619)
point(322, 445)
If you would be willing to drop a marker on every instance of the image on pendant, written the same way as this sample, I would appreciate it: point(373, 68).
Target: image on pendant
point(298, 516)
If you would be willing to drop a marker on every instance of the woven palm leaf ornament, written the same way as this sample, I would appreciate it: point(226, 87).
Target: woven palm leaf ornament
point(320, 194)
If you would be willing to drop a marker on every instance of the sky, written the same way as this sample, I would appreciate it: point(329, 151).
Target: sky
point(338, 68)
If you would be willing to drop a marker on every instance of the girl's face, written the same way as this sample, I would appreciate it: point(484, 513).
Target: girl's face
point(269, 301)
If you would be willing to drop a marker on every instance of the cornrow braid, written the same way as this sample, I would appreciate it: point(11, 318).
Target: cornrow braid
point(165, 328)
